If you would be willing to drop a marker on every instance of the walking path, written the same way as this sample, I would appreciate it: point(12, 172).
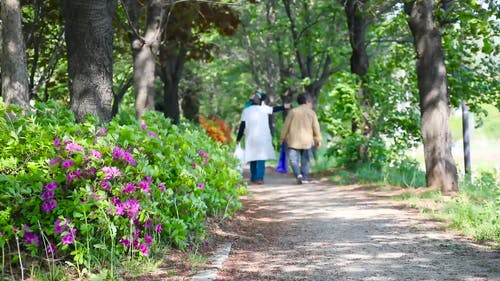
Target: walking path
point(324, 232)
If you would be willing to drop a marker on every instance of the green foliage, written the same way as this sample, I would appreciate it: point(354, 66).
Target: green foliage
point(476, 209)
point(101, 194)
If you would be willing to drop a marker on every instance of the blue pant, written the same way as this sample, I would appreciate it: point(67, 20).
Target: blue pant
point(300, 160)
point(257, 170)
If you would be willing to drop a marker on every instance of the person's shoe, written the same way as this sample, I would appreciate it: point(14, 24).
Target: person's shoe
point(299, 179)
point(306, 181)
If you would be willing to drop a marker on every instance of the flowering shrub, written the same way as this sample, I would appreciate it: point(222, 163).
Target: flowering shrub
point(101, 193)
point(216, 129)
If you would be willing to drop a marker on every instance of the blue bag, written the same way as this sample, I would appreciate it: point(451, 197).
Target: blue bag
point(282, 163)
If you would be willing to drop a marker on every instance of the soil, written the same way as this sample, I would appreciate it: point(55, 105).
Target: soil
point(320, 231)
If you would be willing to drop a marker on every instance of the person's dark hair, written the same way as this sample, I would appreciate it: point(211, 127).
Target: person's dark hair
point(304, 98)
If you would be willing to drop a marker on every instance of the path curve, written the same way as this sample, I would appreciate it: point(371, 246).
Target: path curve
point(324, 232)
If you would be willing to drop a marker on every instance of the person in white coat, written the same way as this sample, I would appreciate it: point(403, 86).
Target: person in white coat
point(258, 141)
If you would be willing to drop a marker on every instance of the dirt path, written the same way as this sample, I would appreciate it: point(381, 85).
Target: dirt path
point(325, 232)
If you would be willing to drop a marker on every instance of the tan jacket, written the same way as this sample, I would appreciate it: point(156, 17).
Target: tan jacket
point(301, 128)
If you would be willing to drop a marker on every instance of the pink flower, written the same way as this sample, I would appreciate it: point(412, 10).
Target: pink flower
point(144, 185)
point(111, 172)
point(201, 186)
point(49, 205)
point(162, 187)
point(96, 154)
point(193, 165)
point(102, 131)
point(73, 146)
point(144, 126)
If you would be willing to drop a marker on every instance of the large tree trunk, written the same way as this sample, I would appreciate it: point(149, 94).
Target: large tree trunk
point(145, 51)
point(89, 40)
point(14, 65)
point(434, 100)
point(171, 72)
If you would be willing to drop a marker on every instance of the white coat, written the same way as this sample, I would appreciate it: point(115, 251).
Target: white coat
point(258, 141)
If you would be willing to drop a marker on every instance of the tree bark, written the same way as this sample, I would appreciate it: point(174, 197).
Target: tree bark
point(440, 167)
point(171, 72)
point(144, 52)
point(89, 40)
point(14, 65)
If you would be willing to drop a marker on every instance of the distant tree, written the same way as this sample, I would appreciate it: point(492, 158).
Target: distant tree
point(14, 65)
point(89, 40)
point(441, 171)
point(184, 25)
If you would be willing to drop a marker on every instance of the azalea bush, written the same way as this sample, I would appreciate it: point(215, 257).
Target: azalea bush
point(99, 194)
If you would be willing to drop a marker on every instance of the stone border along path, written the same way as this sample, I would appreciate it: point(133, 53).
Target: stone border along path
point(215, 264)
point(324, 232)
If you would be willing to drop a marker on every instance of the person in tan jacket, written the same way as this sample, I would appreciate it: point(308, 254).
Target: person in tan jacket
point(301, 133)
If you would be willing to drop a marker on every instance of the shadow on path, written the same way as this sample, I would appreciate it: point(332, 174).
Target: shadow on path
point(325, 232)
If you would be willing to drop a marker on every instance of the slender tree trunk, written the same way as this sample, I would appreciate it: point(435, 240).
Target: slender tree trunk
point(171, 75)
point(89, 40)
point(440, 167)
point(144, 52)
point(14, 65)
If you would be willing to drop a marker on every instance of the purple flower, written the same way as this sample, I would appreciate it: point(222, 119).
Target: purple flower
point(162, 187)
point(96, 154)
point(58, 226)
point(158, 228)
point(144, 126)
point(71, 176)
point(50, 186)
point(73, 146)
point(102, 131)
point(125, 242)
point(129, 188)
point(49, 194)
point(203, 153)
point(111, 172)
point(144, 249)
point(130, 207)
point(67, 239)
point(201, 186)
point(49, 205)
point(31, 238)
point(152, 134)
point(51, 248)
point(148, 240)
point(115, 200)
point(148, 224)
point(57, 142)
point(119, 153)
point(54, 161)
point(66, 164)
point(193, 165)
point(148, 179)
point(119, 209)
point(144, 185)
point(105, 185)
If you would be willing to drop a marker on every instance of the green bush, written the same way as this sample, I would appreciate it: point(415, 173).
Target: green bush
point(103, 193)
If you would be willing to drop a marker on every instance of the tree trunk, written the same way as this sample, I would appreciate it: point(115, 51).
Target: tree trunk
point(89, 41)
point(440, 167)
point(14, 65)
point(144, 52)
point(171, 74)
